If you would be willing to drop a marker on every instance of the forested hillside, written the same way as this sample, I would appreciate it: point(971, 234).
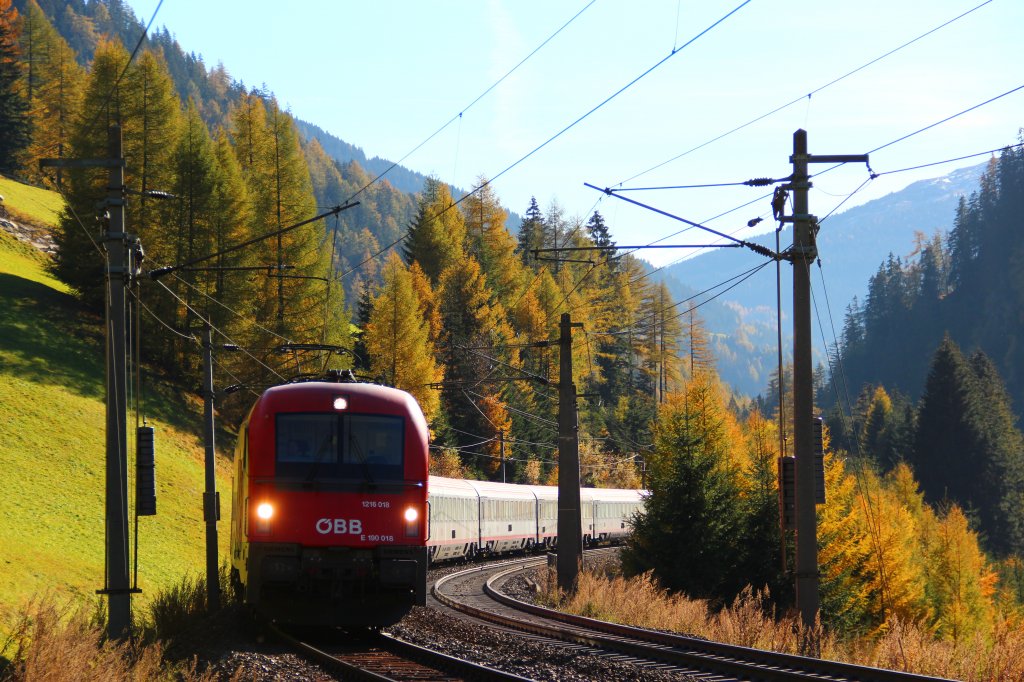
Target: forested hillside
point(339, 170)
point(433, 294)
point(850, 245)
point(922, 364)
point(967, 283)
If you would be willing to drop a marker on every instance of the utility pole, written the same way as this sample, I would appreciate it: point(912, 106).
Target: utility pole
point(501, 441)
point(115, 240)
point(570, 539)
point(804, 252)
point(118, 272)
point(211, 499)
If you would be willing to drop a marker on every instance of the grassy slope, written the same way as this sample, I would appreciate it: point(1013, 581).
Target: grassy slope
point(52, 462)
point(38, 205)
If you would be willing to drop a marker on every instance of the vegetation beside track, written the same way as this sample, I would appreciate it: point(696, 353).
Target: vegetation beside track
point(906, 646)
point(52, 452)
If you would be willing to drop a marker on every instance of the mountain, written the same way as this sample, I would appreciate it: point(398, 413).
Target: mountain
point(84, 24)
point(400, 177)
point(851, 245)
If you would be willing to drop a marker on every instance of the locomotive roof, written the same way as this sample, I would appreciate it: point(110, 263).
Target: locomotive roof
point(361, 395)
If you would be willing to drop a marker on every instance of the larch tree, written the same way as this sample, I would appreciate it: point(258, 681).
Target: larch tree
point(896, 586)
point(146, 108)
point(844, 553)
point(277, 180)
point(761, 535)
point(397, 338)
point(490, 243)
point(151, 123)
point(14, 119)
point(962, 584)
point(472, 322)
point(54, 83)
point(662, 341)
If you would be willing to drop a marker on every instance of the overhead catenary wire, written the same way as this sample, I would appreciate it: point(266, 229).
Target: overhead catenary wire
point(219, 331)
point(952, 160)
point(479, 97)
point(561, 132)
point(117, 82)
point(947, 119)
point(807, 95)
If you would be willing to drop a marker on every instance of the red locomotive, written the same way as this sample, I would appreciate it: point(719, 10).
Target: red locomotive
point(329, 523)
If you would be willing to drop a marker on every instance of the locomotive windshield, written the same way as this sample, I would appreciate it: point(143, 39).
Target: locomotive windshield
point(339, 446)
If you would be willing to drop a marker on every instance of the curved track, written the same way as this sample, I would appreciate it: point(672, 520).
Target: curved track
point(476, 592)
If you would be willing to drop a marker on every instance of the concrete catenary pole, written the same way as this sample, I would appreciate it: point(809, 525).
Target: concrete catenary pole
point(211, 500)
point(804, 253)
point(118, 588)
point(570, 540)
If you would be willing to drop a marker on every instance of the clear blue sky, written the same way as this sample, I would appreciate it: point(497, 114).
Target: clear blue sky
point(384, 75)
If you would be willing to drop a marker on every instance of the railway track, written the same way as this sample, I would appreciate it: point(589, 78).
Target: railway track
point(373, 656)
point(477, 592)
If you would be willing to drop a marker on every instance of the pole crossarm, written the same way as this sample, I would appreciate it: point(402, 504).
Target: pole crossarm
point(756, 248)
point(238, 268)
point(81, 163)
point(441, 385)
point(160, 272)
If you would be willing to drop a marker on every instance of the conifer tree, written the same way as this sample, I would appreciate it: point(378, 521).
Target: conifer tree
point(364, 310)
point(490, 243)
point(397, 338)
point(531, 232)
point(601, 236)
point(946, 457)
point(688, 529)
point(471, 323)
point(53, 88)
point(1001, 484)
point(14, 121)
point(436, 237)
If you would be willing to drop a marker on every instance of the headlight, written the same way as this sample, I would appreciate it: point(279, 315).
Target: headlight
point(412, 523)
point(265, 511)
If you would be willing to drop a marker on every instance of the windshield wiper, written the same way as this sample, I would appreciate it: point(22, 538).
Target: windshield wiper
point(321, 454)
point(361, 456)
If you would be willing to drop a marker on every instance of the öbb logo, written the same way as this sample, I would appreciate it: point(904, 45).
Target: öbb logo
point(339, 526)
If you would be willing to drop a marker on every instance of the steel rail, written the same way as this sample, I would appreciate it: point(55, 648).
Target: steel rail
point(388, 659)
point(703, 655)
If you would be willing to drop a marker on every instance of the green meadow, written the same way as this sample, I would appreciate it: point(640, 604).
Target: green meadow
point(52, 435)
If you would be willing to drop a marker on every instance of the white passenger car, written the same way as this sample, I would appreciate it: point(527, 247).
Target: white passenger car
point(467, 518)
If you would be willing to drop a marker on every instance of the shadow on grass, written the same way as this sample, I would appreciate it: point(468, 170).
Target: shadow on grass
point(47, 338)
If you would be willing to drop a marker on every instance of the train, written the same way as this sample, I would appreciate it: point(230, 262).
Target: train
point(336, 519)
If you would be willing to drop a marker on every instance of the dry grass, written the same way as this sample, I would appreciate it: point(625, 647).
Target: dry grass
point(749, 621)
point(50, 643)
